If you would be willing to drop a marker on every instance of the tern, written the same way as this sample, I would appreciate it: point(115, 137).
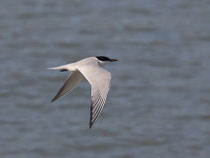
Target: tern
point(98, 78)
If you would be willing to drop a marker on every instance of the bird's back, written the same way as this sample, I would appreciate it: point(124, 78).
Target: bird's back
point(87, 61)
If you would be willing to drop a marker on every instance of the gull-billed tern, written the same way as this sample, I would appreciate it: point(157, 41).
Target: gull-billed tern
point(98, 78)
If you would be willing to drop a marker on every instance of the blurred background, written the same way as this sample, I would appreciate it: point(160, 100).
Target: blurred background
point(159, 103)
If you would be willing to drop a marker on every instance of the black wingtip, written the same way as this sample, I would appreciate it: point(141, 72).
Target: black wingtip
point(53, 100)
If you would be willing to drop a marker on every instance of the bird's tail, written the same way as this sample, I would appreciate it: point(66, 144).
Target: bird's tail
point(61, 68)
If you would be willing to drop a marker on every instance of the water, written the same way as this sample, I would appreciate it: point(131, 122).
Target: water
point(159, 104)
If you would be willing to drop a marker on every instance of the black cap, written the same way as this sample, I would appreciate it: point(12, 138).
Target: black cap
point(103, 58)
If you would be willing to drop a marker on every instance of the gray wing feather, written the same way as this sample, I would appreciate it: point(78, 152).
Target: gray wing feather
point(69, 84)
point(99, 80)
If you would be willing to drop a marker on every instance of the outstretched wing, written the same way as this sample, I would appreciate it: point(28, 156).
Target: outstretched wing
point(70, 83)
point(99, 80)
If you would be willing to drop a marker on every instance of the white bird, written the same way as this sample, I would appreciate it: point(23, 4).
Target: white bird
point(98, 78)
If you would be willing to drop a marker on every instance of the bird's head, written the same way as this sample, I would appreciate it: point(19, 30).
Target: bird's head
point(102, 60)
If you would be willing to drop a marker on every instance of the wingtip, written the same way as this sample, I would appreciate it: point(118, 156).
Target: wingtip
point(53, 100)
point(90, 126)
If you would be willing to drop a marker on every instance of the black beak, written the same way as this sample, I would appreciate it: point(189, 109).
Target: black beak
point(113, 60)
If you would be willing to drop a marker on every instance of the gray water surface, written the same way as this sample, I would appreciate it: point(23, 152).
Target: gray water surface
point(159, 102)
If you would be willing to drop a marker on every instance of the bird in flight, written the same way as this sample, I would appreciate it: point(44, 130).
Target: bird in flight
point(98, 78)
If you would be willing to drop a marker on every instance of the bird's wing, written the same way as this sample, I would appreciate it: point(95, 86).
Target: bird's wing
point(99, 80)
point(69, 84)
